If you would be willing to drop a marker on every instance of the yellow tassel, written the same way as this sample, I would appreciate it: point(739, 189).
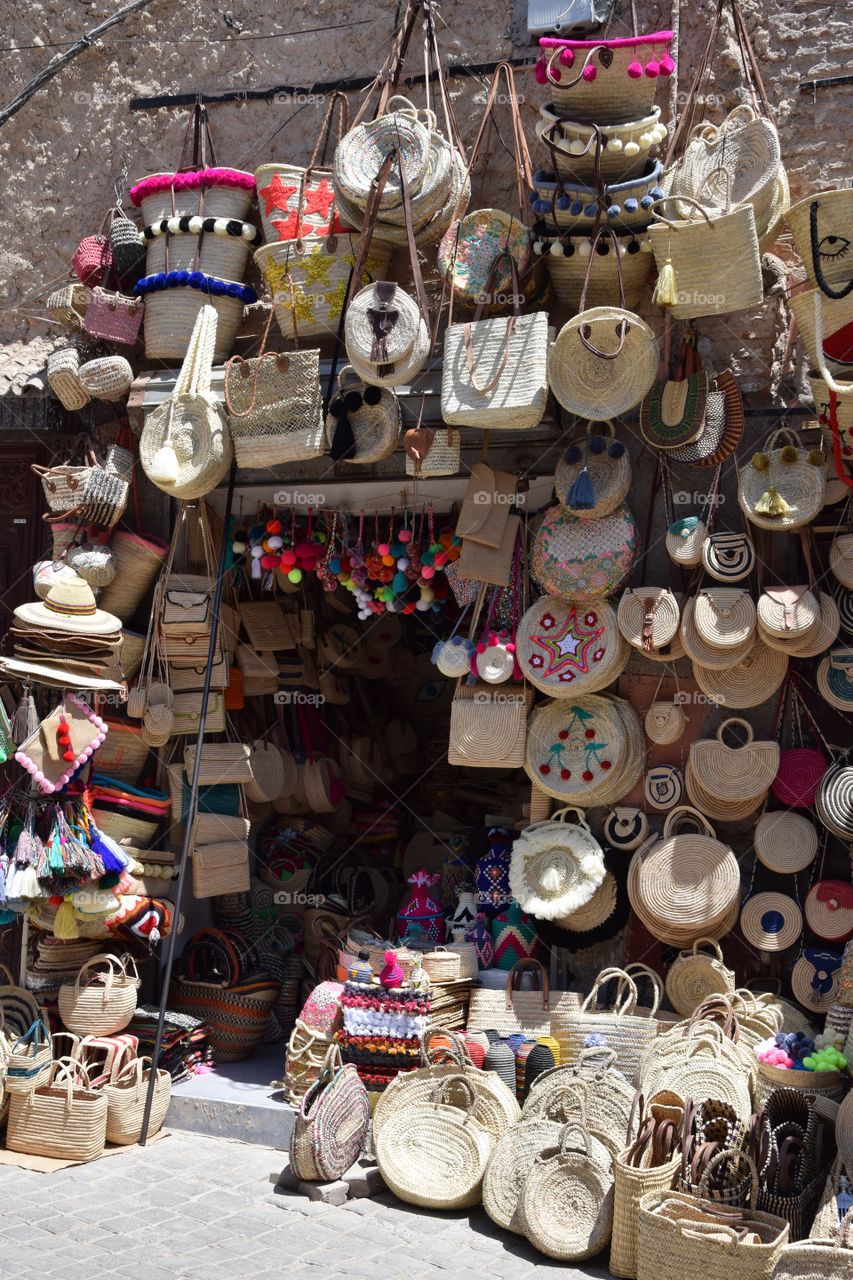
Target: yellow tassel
point(665, 294)
point(771, 503)
point(65, 924)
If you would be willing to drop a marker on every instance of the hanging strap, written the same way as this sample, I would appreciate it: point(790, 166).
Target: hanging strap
point(521, 155)
point(388, 77)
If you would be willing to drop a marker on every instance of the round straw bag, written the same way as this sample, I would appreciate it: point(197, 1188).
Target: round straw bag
point(703, 653)
point(685, 539)
point(815, 979)
point(470, 246)
point(376, 424)
point(566, 649)
point(665, 722)
point(834, 799)
point(566, 1205)
point(509, 1167)
point(604, 360)
point(734, 773)
point(101, 1003)
point(360, 154)
point(560, 759)
point(835, 678)
point(695, 975)
point(815, 641)
point(724, 617)
point(787, 612)
point(753, 680)
point(771, 921)
point(126, 1094)
point(829, 910)
point(625, 829)
point(268, 772)
point(648, 617)
point(583, 558)
point(841, 559)
point(590, 1089)
point(701, 1071)
point(593, 476)
point(594, 913)
point(784, 487)
point(785, 842)
point(800, 772)
point(434, 1154)
point(556, 866)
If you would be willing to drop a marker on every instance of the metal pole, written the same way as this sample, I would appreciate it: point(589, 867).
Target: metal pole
point(191, 811)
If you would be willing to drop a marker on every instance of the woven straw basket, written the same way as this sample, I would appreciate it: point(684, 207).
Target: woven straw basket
point(657, 603)
point(771, 922)
point(567, 268)
point(170, 315)
point(442, 965)
point(138, 561)
point(830, 211)
point(734, 773)
point(631, 1183)
point(609, 474)
point(694, 975)
point(126, 1096)
point(751, 681)
point(822, 1084)
point(30, 1060)
point(715, 261)
point(612, 94)
point(829, 317)
point(664, 722)
point(573, 206)
point(566, 1205)
point(100, 1003)
point(783, 469)
point(221, 200)
point(319, 271)
point(63, 1118)
point(592, 1089)
point(622, 1030)
point(733, 164)
point(612, 377)
point(509, 1167)
point(222, 256)
point(680, 1237)
point(684, 541)
point(625, 151)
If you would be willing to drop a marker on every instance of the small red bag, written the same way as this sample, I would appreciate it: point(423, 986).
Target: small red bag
point(92, 260)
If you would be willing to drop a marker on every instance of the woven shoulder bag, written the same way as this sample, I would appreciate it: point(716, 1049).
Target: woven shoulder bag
point(784, 486)
point(566, 1205)
point(817, 1258)
point(331, 1125)
point(695, 975)
point(734, 773)
point(126, 1093)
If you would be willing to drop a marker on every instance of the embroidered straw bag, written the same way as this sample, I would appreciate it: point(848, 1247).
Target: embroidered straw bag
point(694, 975)
point(583, 558)
point(708, 261)
point(126, 1095)
point(435, 1154)
point(621, 1029)
point(63, 1118)
point(331, 1124)
point(100, 1003)
point(185, 448)
point(566, 1205)
point(784, 487)
point(494, 372)
point(566, 649)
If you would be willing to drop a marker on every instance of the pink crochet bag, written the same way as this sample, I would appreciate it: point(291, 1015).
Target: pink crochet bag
point(112, 316)
point(93, 258)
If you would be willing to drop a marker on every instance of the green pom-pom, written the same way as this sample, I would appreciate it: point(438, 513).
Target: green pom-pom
point(760, 461)
point(817, 457)
point(789, 455)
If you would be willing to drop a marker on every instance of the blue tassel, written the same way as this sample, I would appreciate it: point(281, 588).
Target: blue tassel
point(581, 494)
point(100, 845)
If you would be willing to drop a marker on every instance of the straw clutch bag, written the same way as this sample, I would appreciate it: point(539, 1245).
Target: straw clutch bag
point(695, 975)
point(648, 617)
point(728, 557)
point(625, 829)
point(784, 487)
point(734, 773)
point(787, 612)
point(487, 727)
point(724, 617)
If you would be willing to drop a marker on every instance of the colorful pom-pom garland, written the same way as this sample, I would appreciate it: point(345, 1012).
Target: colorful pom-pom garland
point(194, 224)
point(191, 181)
point(196, 280)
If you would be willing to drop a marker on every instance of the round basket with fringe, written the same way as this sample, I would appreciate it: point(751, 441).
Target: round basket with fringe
point(318, 272)
point(724, 617)
point(835, 678)
point(703, 653)
point(583, 558)
point(665, 722)
point(648, 617)
point(748, 683)
point(567, 257)
point(556, 867)
point(594, 913)
point(784, 486)
point(829, 910)
point(785, 842)
point(736, 773)
point(621, 89)
point(787, 612)
point(771, 921)
point(573, 206)
point(360, 154)
point(566, 1205)
point(566, 649)
point(684, 541)
point(593, 477)
point(694, 975)
point(625, 149)
point(509, 1167)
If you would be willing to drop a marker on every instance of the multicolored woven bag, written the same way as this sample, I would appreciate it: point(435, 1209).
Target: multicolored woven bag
point(332, 1123)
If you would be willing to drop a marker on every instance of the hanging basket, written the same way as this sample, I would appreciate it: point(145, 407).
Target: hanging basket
point(614, 92)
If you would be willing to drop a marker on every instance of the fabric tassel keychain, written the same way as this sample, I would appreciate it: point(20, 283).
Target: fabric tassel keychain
point(25, 720)
point(102, 848)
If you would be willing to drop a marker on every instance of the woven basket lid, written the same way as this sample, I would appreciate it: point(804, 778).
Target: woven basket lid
point(583, 559)
point(829, 910)
point(698, 648)
point(556, 866)
point(648, 617)
point(600, 387)
point(566, 648)
point(738, 772)
point(360, 155)
point(573, 746)
point(724, 617)
point(771, 921)
point(608, 474)
point(749, 682)
point(835, 678)
point(717, 808)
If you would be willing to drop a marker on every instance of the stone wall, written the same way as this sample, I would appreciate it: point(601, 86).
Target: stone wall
point(62, 153)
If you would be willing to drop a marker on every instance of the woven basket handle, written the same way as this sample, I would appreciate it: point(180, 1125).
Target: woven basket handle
point(125, 1059)
point(623, 324)
point(128, 964)
point(701, 1042)
point(457, 1050)
point(131, 1072)
point(70, 1072)
point(681, 200)
point(626, 993)
point(844, 1231)
point(597, 1053)
point(7, 974)
point(568, 1142)
point(441, 1091)
point(579, 820)
point(682, 813)
point(324, 136)
point(114, 968)
point(36, 1035)
point(735, 1158)
point(515, 973)
point(736, 720)
point(511, 322)
point(643, 971)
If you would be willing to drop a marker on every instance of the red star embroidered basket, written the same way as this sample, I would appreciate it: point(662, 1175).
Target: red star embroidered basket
point(566, 647)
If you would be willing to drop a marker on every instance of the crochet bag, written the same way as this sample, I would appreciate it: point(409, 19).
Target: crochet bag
point(784, 487)
point(331, 1125)
point(494, 372)
point(185, 448)
point(92, 258)
point(375, 421)
point(573, 557)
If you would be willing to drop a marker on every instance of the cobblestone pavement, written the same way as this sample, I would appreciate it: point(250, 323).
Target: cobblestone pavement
point(197, 1208)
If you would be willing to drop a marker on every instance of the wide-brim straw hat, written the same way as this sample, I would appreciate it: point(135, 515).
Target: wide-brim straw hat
point(555, 868)
point(600, 387)
point(565, 647)
point(751, 681)
point(69, 606)
point(771, 921)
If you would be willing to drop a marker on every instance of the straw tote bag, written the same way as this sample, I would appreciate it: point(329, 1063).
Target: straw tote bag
point(601, 382)
point(820, 225)
point(185, 448)
point(566, 1205)
point(734, 773)
point(621, 1029)
point(63, 1118)
point(694, 975)
point(680, 1236)
point(100, 1003)
point(641, 1168)
point(435, 1155)
point(126, 1094)
point(511, 1011)
point(494, 372)
point(331, 1124)
point(784, 487)
point(592, 1089)
point(709, 263)
point(819, 1258)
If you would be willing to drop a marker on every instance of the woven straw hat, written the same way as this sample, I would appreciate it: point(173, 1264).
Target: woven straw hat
point(596, 912)
point(684, 540)
point(589, 459)
point(69, 606)
point(785, 842)
point(566, 648)
point(61, 675)
point(735, 773)
point(771, 921)
point(612, 378)
point(556, 866)
point(751, 681)
point(698, 648)
point(648, 617)
point(835, 678)
point(724, 617)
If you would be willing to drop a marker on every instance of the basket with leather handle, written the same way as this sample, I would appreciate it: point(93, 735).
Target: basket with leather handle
point(648, 1163)
point(512, 1011)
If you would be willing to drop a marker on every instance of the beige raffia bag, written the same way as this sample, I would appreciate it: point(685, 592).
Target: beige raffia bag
point(737, 773)
point(576, 1177)
point(709, 263)
point(126, 1094)
point(63, 1118)
point(665, 722)
point(784, 485)
point(488, 727)
point(221, 763)
point(622, 1030)
point(815, 1259)
point(634, 1176)
point(100, 1003)
point(511, 1011)
point(680, 1236)
point(695, 975)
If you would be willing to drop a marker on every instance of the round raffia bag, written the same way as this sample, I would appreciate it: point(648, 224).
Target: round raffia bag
point(648, 617)
point(695, 975)
point(787, 612)
point(625, 828)
point(591, 1089)
point(785, 842)
point(751, 681)
point(126, 1094)
point(100, 1003)
point(828, 910)
point(583, 558)
point(593, 477)
point(734, 773)
point(566, 1206)
point(815, 979)
point(665, 722)
point(724, 617)
point(771, 922)
point(685, 539)
point(556, 866)
point(435, 1155)
point(784, 487)
point(834, 799)
point(375, 419)
point(566, 648)
point(509, 1167)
